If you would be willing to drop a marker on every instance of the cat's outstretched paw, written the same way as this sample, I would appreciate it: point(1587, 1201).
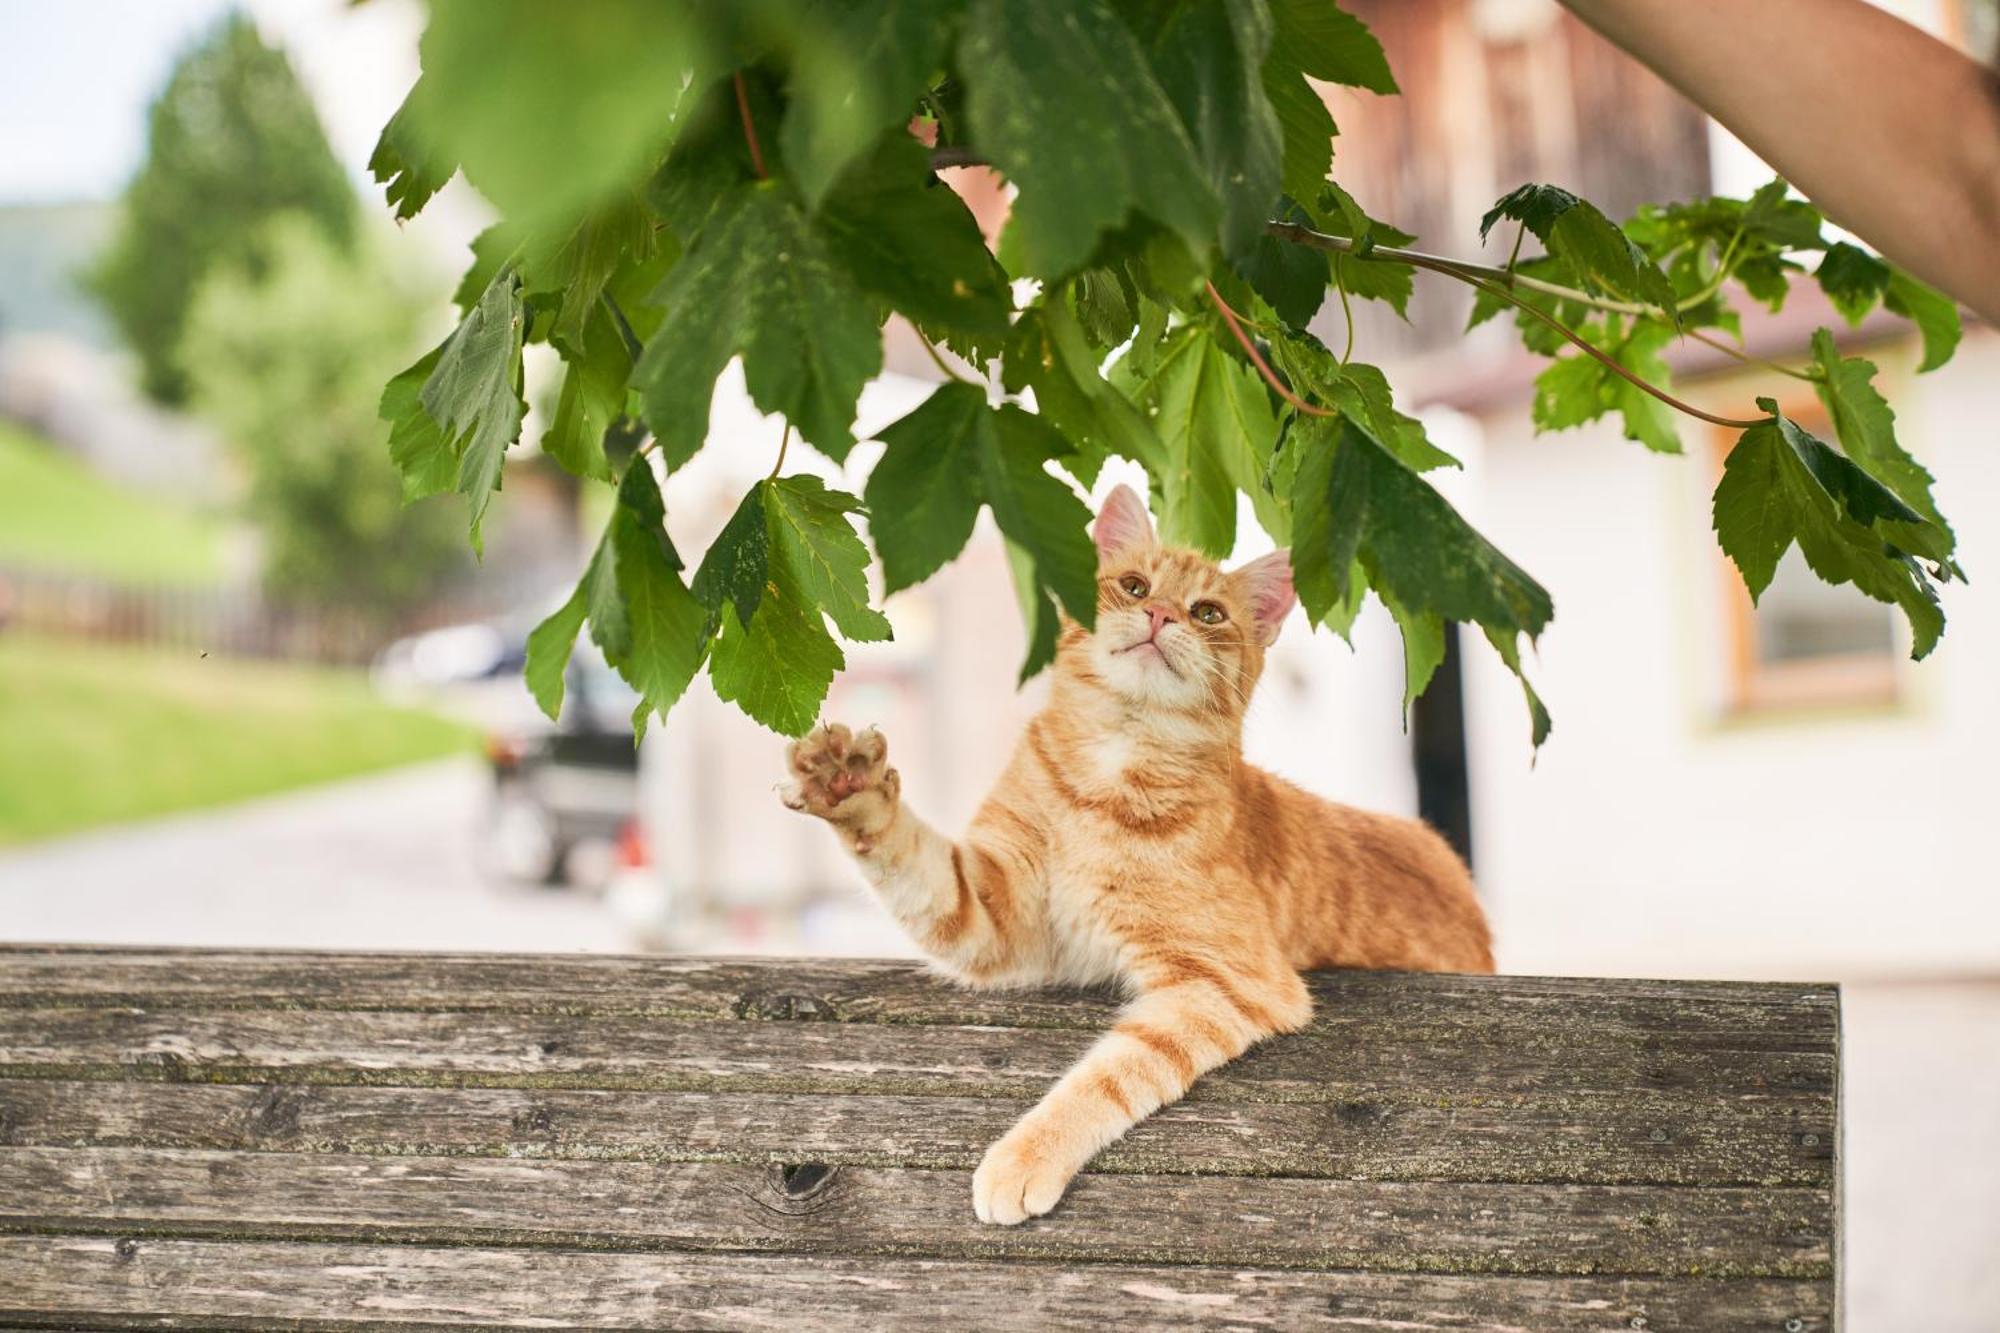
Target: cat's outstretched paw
point(1018, 1179)
point(843, 777)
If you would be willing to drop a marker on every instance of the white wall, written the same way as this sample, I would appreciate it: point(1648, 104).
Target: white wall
point(1655, 835)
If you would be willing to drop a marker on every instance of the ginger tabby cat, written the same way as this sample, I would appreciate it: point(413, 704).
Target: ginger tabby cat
point(1128, 842)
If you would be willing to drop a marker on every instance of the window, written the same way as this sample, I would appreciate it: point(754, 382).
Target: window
point(1806, 644)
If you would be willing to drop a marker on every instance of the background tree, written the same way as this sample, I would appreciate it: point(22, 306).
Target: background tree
point(232, 141)
point(287, 360)
point(685, 184)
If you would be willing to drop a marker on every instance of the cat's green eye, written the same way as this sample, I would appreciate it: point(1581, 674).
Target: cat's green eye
point(1208, 613)
point(1133, 585)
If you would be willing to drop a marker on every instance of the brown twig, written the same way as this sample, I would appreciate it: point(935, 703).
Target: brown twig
point(1257, 359)
point(750, 129)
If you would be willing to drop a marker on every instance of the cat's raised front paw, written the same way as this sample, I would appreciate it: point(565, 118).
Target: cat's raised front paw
point(1018, 1179)
point(842, 776)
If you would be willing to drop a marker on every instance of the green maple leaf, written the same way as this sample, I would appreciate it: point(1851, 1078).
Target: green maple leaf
point(1852, 279)
point(1317, 39)
point(1362, 392)
point(1578, 388)
point(548, 113)
point(776, 659)
point(1866, 428)
point(915, 244)
point(811, 535)
point(549, 647)
point(1049, 353)
point(955, 453)
point(1355, 504)
point(408, 166)
point(1780, 485)
point(759, 280)
point(1575, 231)
point(1331, 44)
point(650, 628)
point(1065, 105)
point(1934, 314)
point(1305, 127)
point(669, 628)
point(875, 58)
point(778, 669)
point(1214, 416)
point(573, 265)
point(1037, 609)
point(1363, 274)
point(592, 398)
point(1209, 59)
point(737, 564)
point(1292, 279)
point(474, 390)
point(1423, 651)
point(417, 444)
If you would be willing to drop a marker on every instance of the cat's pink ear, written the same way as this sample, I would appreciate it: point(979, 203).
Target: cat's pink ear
point(1122, 522)
point(1267, 581)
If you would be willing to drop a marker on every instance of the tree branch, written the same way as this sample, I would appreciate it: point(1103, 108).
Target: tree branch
point(1491, 281)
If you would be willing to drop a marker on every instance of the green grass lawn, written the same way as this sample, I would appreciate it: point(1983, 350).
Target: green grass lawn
point(56, 514)
point(93, 735)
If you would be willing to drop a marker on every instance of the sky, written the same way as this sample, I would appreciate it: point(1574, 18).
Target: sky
point(76, 77)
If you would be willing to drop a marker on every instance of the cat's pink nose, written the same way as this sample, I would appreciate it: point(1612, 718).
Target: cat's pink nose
point(1158, 616)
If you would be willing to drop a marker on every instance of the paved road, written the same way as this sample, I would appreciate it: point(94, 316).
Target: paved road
point(377, 863)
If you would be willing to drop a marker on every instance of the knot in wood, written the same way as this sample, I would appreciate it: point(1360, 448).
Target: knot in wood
point(802, 1186)
point(785, 1007)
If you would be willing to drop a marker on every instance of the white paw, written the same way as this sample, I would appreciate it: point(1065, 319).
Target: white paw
point(1017, 1180)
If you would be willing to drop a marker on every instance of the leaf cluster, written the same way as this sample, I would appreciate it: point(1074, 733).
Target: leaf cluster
point(687, 185)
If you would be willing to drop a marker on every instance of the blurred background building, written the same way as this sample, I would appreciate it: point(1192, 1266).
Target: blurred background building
point(166, 655)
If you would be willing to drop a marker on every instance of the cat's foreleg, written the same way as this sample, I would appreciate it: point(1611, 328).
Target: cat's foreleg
point(963, 902)
point(1167, 1038)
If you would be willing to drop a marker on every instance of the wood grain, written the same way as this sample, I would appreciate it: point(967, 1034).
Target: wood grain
point(1528, 1138)
point(563, 1050)
point(160, 1283)
point(1293, 1223)
point(262, 1139)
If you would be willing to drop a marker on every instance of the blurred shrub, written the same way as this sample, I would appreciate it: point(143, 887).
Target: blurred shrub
point(288, 361)
point(232, 141)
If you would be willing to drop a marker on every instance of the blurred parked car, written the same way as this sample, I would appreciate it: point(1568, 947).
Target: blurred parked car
point(565, 798)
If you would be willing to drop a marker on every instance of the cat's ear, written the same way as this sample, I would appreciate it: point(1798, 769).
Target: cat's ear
point(1267, 583)
point(1122, 522)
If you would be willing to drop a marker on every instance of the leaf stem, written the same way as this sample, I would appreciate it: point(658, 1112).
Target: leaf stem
point(1231, 318)
point(1346, 314)
point(1520, 234)
point(1492, 281)
point(784, 443)
point(1749, 360)
point(1300, 234)
point(750, 129)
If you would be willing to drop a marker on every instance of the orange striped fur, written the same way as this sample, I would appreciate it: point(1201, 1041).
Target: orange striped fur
point(1129, 843)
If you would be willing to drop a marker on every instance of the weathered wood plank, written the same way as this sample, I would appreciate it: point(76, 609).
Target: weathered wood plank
point(1529, 1137)
point(557, 1050)
point(856, 1211)
point(67, 1281)
point(858, 991)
